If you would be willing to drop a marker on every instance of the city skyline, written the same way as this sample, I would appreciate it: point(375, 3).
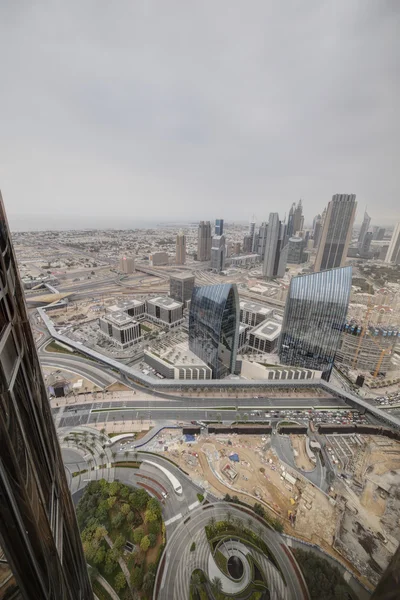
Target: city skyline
point(152, 107)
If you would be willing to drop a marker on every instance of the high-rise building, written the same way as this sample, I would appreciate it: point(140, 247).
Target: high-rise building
point(252, 233)
point(218, 253)
point(389, 584)
point(393, 253)
point(290, 229)
point(296, 254)
point(127, 265)
point(204, 241)
point(298, 219)
point(363, 230)
point(336, 232)
point(247, 243)
point(180, 248)
point(274, 264)
point(365, 247)
point(317, 232)
point(261, 241)
point(214, 327)
point(378, 233)
point(219, 227)
point(181, 286)
point(315, 316)
point(40, 546)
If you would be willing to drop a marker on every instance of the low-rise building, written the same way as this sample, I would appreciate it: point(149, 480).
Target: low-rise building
point(158, 259)
point(177, 363)
point(165, 311)
point(127, 265)
point(134, 308)
point(264, 337)
point(252, 313)
point(245, 261)
point(120, 328)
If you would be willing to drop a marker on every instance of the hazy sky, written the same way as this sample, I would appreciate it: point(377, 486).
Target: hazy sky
point(115, 113)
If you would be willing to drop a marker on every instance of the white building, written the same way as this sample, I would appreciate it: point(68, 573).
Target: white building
point(252, 313)
point(121, 329)
point(158, 259)
point(165, 311)
point(177, 363)
point(264, 337)
point(393, 253)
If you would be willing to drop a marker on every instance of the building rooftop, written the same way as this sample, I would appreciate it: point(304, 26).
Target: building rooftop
point(254, 307)
point(119, 318)
point(182, 276)
point(269, 330)
point(180, 356)
point(165, 302)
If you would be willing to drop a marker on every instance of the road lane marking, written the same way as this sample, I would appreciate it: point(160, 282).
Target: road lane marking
point(173, 519)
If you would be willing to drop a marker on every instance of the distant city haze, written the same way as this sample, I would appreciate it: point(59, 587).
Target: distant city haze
point(129, 114)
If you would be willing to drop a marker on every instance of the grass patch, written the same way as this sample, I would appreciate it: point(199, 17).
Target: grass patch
point(200, 498)
point(221, 561)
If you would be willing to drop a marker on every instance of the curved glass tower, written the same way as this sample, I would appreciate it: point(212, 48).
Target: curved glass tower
point(315, 315)
point(214, 327)
point(41, 555)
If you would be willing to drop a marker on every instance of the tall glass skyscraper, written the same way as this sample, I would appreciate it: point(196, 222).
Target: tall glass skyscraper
point(315, 315)
point(214, 327)
point(41, 555)
point(336, 232)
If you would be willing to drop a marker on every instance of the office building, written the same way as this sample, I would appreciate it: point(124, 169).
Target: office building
point(298, 219)
point(158, 259)
point(245, 261)
point(214, 327)
point(296, 254)
point(204, 241)
point(236, 248)
point(264, 338)
point(262, 239)
point(363, 230)
point(134, 308)
point(336, 232)
point(252, 313)
point(378, 233)
point(218, 253)
point(289, 228)
point(41, 555)
point(393, 253)
point(243, 336)
point(317, 233)
point(165, 311)
point(219, 227)
point(247, 243)
point(120, 329)
point(274, 264)
point(180, 257)
point(127, 265)
point(315, 316)
point(365, 247)
point(181, 287)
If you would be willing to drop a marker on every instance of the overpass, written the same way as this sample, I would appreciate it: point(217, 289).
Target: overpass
point(165, 385)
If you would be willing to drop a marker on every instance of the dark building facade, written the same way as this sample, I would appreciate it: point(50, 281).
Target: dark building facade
point(336, 232)
point(181, 287)
point(389, 584)
point(315, 316)
point(214, 327)
point(41, 555)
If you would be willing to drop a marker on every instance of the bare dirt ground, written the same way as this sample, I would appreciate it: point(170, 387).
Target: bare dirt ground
point(301, 460)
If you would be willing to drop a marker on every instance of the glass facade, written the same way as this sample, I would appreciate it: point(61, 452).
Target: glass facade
point(214, 327)
point(315, 317)
point(41, 554)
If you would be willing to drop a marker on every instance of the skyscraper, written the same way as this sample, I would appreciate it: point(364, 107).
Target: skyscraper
point(298, 219)
point(336, 232)
point(204, 241)
point(315, 315)
point(38, 530)
point(261, 240)
point(364, 229)
point(317, 232)
point(274, 264)
point(181, 286)
point(218, 253)
point(180, 248)
point(219, 227)
point(290, 229)
point(214, 327)
point(393, 253)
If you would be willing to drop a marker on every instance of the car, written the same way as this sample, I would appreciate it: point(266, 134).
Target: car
point(164, 495)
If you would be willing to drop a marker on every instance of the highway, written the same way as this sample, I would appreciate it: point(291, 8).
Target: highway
point(90, 371)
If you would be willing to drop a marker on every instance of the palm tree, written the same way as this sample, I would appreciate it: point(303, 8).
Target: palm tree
point(216, 585)
point(195, 585)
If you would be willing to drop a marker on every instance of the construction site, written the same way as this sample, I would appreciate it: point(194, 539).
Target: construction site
point(357, 520)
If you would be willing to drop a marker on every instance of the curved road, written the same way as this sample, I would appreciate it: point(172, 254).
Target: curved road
point(183, 537)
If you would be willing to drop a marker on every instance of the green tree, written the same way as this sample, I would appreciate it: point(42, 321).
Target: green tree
point(154, 506)
point(119, 582)
point(114, 487)
point(139, 499)
point(125, 509)
point(153, 539)
point(130, 517)
point(138, 535)
point(154, 527)
point(137, 578)
point(117, 521)
point(110, 562)
point(145, 543)
point(150, 516)
point(111, 501)
point(119, 542)
point(100, 556)
point(195, 585)
point(216, 585)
